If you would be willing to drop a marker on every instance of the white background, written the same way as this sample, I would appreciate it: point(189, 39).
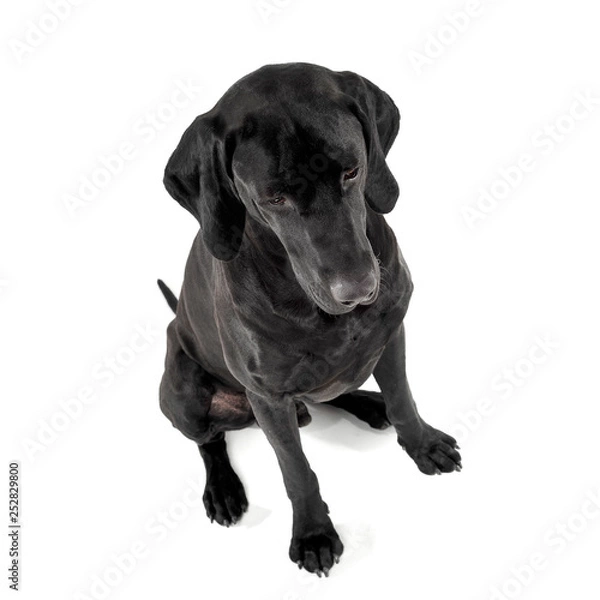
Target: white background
point(76, 284)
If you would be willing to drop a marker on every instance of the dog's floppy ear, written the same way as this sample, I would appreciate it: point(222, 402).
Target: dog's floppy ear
point(197, 176)
point(380, 122)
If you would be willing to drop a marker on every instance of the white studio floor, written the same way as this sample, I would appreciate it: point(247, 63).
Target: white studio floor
point(497, 160)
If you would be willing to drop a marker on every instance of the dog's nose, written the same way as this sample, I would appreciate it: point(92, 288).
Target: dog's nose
point(350, 292)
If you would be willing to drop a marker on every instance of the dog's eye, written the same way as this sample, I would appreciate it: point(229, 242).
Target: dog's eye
point(278, 200)
point(351, 174)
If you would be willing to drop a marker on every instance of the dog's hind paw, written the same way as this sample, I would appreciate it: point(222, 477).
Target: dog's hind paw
point(366, 406)
point(224, 498)
point(302, 414)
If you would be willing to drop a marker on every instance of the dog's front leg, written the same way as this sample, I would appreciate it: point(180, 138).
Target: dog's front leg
point(315, 543)
point(432, 450)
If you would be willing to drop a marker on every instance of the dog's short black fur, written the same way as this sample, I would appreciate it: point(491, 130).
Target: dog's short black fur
point(295, 289)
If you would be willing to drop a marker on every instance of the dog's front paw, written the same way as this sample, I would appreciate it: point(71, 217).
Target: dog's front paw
point(317, 552)
point(434, 451)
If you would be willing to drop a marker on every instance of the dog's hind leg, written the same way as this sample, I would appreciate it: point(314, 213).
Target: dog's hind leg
point(366, 406)
point(203, 410)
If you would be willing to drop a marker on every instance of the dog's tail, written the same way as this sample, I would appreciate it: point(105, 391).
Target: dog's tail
point(170, 297)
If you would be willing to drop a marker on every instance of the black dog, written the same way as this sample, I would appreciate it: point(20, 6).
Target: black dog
point(295, 289)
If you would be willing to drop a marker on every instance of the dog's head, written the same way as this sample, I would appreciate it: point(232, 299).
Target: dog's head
point(300, 150)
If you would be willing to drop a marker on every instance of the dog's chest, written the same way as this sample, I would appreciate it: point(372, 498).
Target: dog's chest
point(318, 356)
point(342, 359)
point(320, 360)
